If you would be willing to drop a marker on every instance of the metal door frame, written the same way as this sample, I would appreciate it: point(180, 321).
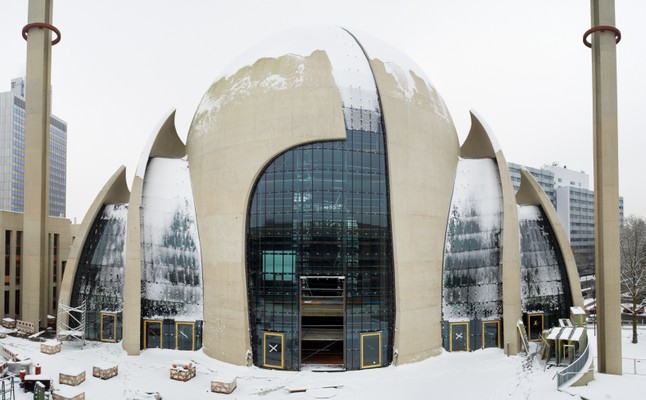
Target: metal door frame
point(161, 332)
point(192, 325)
point(114, 333)
point(451, 324)
point(361, 337)
point(497, 322)
point(282, 349)
point(529, 326)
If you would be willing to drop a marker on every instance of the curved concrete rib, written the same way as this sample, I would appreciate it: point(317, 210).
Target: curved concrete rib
point(229, 145)
point(482, 143)
point(531, 193)
point(115, 191)
point(164, 142)
point(418, 138)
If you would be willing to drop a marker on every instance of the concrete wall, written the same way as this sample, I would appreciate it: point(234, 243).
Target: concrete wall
point(242, 123)
point(51, 279)
point(163, 142)
point(10, 221)
point(481, 143)
point(422, 155)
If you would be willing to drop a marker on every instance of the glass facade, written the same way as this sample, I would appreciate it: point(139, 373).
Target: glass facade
point(12, 167)
point(472, 275)
point(545, 287)
point(322, 210)
point(171, 263)
point(101, 268)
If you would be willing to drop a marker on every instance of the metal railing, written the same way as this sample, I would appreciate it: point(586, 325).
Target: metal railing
point(633, 366)
point(572, 372)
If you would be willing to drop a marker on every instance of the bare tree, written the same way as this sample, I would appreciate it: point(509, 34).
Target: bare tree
point(633, 264)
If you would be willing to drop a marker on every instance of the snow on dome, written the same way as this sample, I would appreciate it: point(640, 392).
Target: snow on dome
point(402, 68)
point(349, 65)
point(350, 69)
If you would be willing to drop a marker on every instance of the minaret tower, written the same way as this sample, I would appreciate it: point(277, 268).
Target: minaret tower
point(38, 33)
point(606, 182)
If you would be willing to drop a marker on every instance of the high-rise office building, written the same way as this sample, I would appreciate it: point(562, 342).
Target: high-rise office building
point(12, 154)
point(544, 177)
point(570, 192)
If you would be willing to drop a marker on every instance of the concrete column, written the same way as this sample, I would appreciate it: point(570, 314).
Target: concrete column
point(37, 112)
point(606, 188)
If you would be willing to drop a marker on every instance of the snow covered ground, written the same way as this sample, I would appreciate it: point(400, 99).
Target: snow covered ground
point(483, 374)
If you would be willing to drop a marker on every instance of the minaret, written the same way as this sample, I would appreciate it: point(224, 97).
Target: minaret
point(604, 41)
point(37, 114)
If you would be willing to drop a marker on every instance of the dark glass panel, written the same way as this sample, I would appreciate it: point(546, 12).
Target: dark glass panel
point(171, 270)
point(545, 287)
point(472, 262)
point(100, 270)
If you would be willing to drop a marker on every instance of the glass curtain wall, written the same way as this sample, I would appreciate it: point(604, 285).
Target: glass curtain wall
point(100, 270)
point(322, 210)
point(545, 287)
point(472, 289)
point(171, 276)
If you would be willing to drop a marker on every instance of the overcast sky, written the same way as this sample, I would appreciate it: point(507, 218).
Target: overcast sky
point(122, 65)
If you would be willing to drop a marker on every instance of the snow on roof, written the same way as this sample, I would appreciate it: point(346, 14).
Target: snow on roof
point(566, 333)
point(577, 334)
point(577, 311)
point(554, 333)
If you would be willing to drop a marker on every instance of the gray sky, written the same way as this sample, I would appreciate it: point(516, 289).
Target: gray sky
point(122, 65)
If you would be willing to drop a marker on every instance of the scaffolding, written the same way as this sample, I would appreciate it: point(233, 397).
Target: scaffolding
point(70, 324)
point(8, 392)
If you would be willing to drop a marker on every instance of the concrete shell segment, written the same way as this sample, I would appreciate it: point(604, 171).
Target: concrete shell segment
point(114, 191)
point(531, 193)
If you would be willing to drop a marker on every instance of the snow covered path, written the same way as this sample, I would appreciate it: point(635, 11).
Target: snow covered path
point(484, 374)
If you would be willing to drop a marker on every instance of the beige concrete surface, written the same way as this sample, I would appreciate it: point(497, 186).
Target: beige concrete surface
point(164, 142)
point(606, 188)
point(132, 276)
point(10, 223)
point(36, 192)
point(234, 135)
point(13, 223)
point(421, 141)
point(481, 143)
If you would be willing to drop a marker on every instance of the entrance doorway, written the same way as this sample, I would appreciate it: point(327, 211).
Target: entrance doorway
point(185, 336)
point(535, 326)
point(490, 334)
point(459, 339)
point(322, 321)
point(108, 327)
point(152, 334)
